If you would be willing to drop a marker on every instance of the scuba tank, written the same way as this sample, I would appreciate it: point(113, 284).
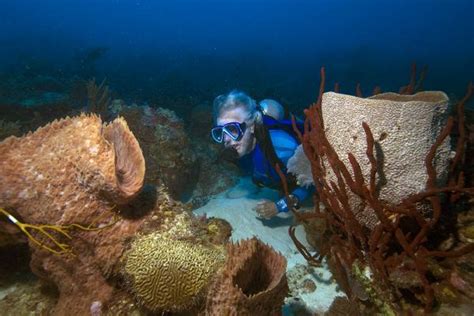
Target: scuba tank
point(265, 157)
point(272, 108)
point(274, 118)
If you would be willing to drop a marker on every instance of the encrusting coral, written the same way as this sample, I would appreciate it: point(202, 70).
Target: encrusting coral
point(252, 281)
point(170, 275)
point(74, 172)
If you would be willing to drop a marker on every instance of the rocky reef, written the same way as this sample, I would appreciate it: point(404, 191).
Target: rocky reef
point(169, 159)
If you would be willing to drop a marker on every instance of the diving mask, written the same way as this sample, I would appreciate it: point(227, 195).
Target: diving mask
point(234, 130)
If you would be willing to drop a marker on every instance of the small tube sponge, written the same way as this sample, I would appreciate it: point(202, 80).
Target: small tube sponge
point(252, 281)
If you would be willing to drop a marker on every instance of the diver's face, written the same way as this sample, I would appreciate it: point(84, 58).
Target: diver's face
point(247, 143)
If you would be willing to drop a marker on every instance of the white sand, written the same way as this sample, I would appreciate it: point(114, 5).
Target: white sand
point(235, 206)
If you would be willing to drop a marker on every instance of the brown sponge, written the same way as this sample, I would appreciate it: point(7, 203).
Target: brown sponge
point(253, 281)
point(70, 172)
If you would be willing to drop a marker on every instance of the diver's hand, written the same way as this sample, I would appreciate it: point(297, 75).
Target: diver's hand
point(266, 209)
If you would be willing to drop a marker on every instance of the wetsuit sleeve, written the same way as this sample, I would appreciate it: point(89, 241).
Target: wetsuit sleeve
point(285, 147)
point(301, 193)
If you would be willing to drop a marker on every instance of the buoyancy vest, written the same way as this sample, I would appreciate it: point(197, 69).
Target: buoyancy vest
point(276, 143)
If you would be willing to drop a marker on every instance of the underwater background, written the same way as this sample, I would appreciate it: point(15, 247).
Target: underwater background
point(159, 65)
point(192, 51)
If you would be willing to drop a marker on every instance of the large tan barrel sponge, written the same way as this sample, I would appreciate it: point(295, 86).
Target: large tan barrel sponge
point(74, 171)
point(252, 281)
point(404, 129)
point(68, 165)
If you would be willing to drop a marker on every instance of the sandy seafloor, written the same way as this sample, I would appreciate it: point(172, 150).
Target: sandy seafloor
point(235, 206)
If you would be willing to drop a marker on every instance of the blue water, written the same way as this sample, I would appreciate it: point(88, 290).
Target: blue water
point(198, 49)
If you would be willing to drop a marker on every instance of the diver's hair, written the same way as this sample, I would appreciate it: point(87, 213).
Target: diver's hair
point(236, 99)
point(262, 134)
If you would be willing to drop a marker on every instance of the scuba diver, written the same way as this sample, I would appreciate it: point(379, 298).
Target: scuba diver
point(261, 138)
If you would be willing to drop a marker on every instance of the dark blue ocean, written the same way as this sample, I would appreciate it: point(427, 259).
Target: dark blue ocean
point(199, 49)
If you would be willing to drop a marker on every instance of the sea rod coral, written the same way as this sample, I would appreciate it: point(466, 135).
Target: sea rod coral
point(400, 239)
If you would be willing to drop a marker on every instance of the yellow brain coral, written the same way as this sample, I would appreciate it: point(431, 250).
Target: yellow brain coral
point(170, 275)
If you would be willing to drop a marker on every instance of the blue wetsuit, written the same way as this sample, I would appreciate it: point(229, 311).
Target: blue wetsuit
point(264, 174)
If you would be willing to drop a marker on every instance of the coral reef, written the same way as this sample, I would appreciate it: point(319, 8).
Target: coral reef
point(218, 231)
point(403, 236)
point(98, 98)
point(166, 147)
point(342, 306)
point(200, 121)
point(29, 119)
point(170, 275)
point(89, 159)
point(168, 223)
point(28, 298)
point(74, 187)
point(9, 129)
point(215, 175)
point(303, 281)
point(33, 90)
point(469, 162)
point(253, 281)
point(20, 291)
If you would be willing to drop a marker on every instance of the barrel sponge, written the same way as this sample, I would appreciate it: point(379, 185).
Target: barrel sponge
point(69, 166)
point(75, 171)
point(170, 275)
point(252, 281)
point(404, 128)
